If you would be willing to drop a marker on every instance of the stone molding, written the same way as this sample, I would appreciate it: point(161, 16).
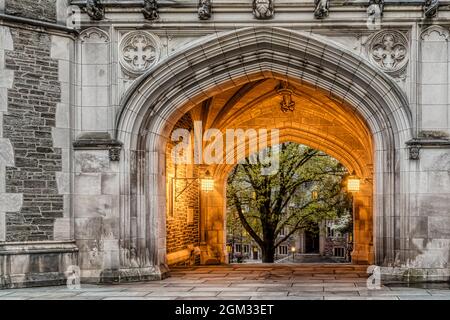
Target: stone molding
point(442, 32)
point(90, 33)
point(417, 144)
point(34, 247)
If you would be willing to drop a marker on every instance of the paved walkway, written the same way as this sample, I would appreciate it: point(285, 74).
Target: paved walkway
point(244, 282)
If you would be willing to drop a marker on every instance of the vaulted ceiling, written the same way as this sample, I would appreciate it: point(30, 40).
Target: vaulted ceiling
point(318, 119)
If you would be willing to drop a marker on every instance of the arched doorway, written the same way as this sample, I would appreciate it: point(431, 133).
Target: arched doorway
point(234, 59)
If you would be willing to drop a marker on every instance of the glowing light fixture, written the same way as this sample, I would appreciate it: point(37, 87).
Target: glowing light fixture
point(293, 249)
point(207, 183)
point(353, 183)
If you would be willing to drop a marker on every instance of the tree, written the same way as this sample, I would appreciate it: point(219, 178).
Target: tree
point(307, 188)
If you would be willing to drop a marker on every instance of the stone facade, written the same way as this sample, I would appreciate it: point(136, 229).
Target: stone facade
point(86, 116)
point(28, 124)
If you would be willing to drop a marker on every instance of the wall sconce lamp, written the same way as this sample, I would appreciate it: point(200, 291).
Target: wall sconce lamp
point(207, 183)
point(353, 183)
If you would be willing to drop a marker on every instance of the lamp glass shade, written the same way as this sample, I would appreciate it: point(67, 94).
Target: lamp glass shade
point(207, 184)
point(353, 184)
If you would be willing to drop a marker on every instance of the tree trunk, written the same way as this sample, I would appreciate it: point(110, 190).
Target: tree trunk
point(268, 252)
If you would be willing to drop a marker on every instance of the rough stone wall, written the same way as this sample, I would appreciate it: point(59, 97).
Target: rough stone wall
point(182, 223)
point(28, 123)
point(35, 9)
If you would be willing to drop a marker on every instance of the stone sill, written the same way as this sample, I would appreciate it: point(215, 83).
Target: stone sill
point(429, 143)
point(35, 247)
point(96, 144)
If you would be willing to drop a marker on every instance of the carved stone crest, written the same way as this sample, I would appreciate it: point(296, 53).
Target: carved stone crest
point(285, 90)
point(150, 9)
point(389, 51)
point(322, 9)
point(95, 9)
point(263, 9)
point(139, 51)
point(430, 8)
point(204, 9)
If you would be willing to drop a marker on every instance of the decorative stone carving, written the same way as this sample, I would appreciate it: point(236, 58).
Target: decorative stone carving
point(374, 14)
point(322, 9)
point(263, 9)
point(440, 32)
point(285, 90)
point(139, 51)
point(94, 35)
point(150, 9)
point(204, 9)
point(430, 8)
point(99, 141)
point(95, 9)
point(375, 7)
point(388, 50)
point(114, 153)
point(414, 153)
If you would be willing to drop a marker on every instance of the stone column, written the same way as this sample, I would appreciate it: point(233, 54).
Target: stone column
point(363, 225)
point(213, 212)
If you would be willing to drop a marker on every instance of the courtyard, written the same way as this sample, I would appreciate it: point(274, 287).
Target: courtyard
point(245, 282)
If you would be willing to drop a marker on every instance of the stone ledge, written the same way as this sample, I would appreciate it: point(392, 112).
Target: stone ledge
point(429, 143)
point(414, 275)
point(124, 275)
point(19, 248)
point(99, 141)
point(32, 264)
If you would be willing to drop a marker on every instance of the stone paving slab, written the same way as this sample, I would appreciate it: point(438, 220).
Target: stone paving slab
point(219, 283)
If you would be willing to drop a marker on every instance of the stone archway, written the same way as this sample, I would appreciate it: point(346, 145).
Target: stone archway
point(224, 61)
point(315, 120)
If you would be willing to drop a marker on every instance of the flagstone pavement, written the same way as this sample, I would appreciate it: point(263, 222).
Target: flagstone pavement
point(244, 282)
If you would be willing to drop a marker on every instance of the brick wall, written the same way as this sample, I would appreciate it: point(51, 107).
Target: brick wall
point(182, 222)
point(35, 9)
point(28, 123)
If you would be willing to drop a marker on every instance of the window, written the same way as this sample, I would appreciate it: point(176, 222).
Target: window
point(246, 248)
point(339, 252)
point(282, 250)
point(238, 248)
point(330, 232)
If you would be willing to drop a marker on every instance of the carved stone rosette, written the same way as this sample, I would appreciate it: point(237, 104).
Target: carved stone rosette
point(388, 49)
point(139, 51)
